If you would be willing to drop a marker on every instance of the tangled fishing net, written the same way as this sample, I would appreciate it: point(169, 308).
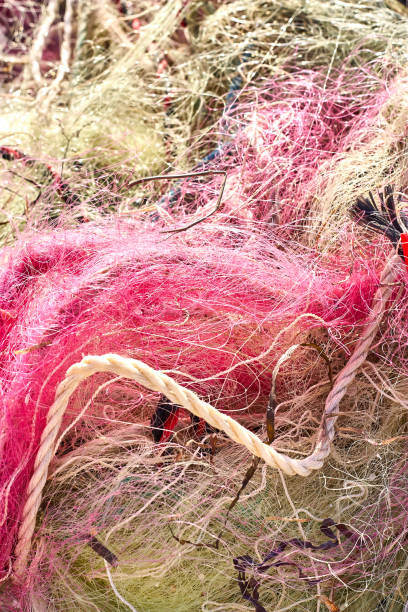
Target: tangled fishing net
point(203, 306)
point(216, 318)
point(141, 85)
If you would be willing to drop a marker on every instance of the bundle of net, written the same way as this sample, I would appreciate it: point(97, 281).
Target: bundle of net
point(298, 151)
point(144, 512)
point(104, 90)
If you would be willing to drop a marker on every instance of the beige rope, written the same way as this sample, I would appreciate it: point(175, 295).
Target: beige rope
point(109, 20)
point(47, 94)
point(160, 382)
point(397, 5)
point(38, 45)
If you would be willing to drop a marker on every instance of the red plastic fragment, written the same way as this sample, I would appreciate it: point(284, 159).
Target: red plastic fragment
point(404, 244)
point(136, 24)
point(169, 425)
point(162, 67)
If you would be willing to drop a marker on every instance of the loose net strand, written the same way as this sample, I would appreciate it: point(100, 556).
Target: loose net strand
point(115, 590)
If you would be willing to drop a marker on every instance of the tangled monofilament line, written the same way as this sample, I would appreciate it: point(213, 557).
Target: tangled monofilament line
point(162, 383)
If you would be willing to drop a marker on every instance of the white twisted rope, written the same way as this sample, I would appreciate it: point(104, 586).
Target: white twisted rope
point(157, 381)
point(47, 94)
point(33, 65)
